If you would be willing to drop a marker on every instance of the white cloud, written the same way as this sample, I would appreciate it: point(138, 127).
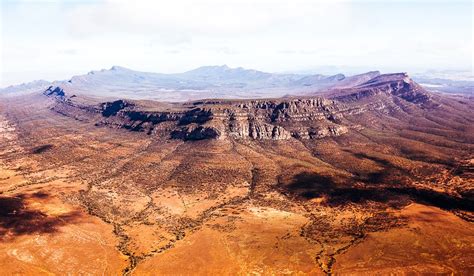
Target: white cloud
point(59, 38)
point(207, 18)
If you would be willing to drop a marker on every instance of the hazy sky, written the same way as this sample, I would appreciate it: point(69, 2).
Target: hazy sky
point(56, 39)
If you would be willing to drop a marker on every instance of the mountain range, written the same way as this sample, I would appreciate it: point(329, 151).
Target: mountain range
point(203, 82)
point(218, 82)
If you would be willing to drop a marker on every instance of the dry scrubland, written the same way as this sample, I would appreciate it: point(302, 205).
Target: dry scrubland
point(393, 194)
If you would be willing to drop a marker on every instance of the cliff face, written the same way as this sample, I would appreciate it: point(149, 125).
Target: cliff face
point(283, 119)
point(256, 129)
point(258, 120)
point(399, 85)
point(280, 119)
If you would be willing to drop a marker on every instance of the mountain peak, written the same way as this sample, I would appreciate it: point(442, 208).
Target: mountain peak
point(223, 73)
point(118, 68)
point(403, 76)
point(211, 69)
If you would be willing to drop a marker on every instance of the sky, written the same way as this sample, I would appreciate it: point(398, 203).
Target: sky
point(54, 40)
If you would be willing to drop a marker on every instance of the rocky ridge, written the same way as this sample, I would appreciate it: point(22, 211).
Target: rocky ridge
point(314, 117)
point(258, 120)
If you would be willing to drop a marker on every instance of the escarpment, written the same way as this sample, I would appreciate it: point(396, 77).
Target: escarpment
point(256, 120)
point(309, 117)
point(399, 85)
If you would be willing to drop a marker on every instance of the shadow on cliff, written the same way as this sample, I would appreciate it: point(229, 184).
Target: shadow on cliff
point(310, 185)
point(17, 218)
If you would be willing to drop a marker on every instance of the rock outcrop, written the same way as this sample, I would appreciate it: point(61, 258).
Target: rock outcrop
point(55, 91)
point(195, 132)
point(111, 108)
point(321, 132)
point(256, 129)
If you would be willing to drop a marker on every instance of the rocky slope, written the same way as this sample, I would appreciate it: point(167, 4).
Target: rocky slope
point(313, 117)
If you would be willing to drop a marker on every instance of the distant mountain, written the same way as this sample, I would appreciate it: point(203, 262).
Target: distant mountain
point(454, 82)
point(126, 78)
point(224, 74)
point(26, 87)
point(318, 81)
point(203, 82)
point(357, 79)
point(200, 83)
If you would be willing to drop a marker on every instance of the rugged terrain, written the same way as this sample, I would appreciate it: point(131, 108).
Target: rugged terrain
point(371, 176)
